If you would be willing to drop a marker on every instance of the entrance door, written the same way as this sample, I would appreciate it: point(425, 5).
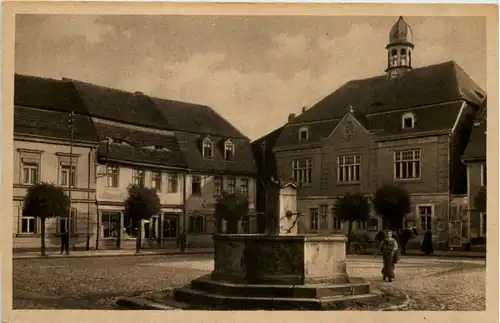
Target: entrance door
point(147, 229)
point(154, 227)
point(110, 223)
point(170, 226)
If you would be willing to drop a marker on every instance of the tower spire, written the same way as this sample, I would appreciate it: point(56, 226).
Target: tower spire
point(399, 49)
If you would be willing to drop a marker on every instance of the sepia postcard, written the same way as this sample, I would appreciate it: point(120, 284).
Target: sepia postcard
point(242, 162)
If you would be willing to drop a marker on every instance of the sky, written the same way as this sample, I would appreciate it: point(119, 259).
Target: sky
point(252, 70)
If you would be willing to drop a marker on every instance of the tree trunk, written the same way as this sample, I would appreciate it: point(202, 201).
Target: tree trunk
point(349, 230)
point(138, 240)
point(272, 224)
point(232, 227)
point(119, 233)
point(42, 237)
point(218, 223)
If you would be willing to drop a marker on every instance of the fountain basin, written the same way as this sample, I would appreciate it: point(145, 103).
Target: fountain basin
point(285, 260)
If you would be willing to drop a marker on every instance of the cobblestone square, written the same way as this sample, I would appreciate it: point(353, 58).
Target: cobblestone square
point(95, 283)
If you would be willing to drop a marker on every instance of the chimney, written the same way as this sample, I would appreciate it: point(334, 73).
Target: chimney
point(291, 116)
point(304, 109)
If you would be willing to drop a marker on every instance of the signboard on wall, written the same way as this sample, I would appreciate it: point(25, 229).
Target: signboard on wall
point(207, 204)
point(455, 240)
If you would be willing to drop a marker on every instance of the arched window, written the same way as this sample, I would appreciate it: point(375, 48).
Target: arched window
point(404, 58)
point(394, 58)
point(408, 121)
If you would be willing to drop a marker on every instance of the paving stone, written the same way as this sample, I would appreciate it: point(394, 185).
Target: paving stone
point(95, 283)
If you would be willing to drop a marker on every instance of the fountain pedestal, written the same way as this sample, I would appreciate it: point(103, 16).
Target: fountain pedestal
point(278, 272)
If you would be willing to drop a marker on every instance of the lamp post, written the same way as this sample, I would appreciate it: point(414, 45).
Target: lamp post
point(71, 172)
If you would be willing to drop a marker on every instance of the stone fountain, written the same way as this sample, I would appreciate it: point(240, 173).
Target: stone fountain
point(281, 271)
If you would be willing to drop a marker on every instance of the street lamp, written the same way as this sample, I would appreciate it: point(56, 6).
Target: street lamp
point(71, 171)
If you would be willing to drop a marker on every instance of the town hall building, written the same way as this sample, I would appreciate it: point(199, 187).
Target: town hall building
point(408, 126)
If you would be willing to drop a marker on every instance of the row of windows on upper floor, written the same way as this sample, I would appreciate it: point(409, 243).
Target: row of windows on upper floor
point(407, 122)
point(67, 176)
point(407, 166)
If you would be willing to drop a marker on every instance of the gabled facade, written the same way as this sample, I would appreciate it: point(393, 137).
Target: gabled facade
point(187, 152)
point(408, 127)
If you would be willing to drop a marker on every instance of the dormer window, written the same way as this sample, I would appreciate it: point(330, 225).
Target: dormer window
point(408, 121)
point(208, 148)
point(228, 150)
point(303, 134)
point(117, 141)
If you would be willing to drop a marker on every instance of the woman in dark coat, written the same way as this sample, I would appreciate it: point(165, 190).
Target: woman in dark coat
point(427, 247)
point(379, 237)
point(388, 248)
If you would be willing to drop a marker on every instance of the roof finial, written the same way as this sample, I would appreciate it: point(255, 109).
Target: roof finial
point(351, 109)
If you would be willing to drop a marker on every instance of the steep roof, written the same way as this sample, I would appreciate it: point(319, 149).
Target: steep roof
point(427, 119)
point(289, 135)
point(51, 97)
point(45, 93)
point(430, 85)
point(194, 118)
point(52, 124)
point(124, 153)
point(117, 105)
point(476, 147)
point(263, 154)
point(138, 146)
point(434, 93)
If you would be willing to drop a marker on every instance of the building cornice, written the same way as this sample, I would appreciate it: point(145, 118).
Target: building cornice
point(60, 154)
point(133, 127)
point(221, 172)
point(411, 136)
point(30, 151)
point(73, 189)
point(297, 147)
point(122, 203)
point(467, 160)
point(126, 163)
point(54, 141)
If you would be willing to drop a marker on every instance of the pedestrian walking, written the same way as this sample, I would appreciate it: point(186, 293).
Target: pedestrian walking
point(379, 237)
point(426, 246)
point(406, 235)
point(182, 241)
point(64, 241)
point(388, 247)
